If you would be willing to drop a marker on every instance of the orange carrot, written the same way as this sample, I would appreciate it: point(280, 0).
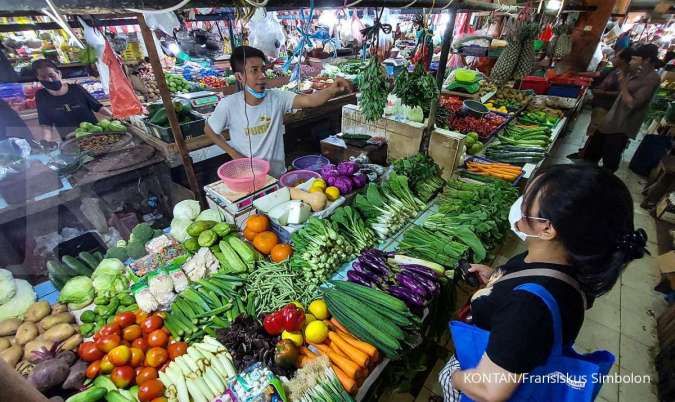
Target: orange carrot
point(348, 383)
point(338, 325)
point(305, 351)
point(349, 367)
point(350, 351)
point(365, 347)
point(339, 351)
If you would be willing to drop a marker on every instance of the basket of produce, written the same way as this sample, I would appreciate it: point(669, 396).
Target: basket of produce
point(486, 126)
point(244, 174)
point(103, 126)
point(158, 123)
point(96, 144)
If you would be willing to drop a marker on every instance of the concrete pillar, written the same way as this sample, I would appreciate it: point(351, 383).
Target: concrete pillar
point(587, 33)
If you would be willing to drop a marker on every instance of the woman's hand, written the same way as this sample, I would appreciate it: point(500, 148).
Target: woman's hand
point(484, 272)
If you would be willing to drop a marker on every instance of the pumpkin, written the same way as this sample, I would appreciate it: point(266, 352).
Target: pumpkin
point(265, 242)
point(258, 223)
point(281, 252)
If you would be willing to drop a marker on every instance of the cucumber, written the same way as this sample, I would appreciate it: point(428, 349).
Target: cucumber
point(88, 259)
point(93, 394)
point(58, 272)
point(99, 256)
point(56, 281)
point(76, 265)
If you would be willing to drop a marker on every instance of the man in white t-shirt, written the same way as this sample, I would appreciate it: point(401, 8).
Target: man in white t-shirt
point(255, 116)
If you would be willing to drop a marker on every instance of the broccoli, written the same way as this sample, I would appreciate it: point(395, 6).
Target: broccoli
point(142, 232)
point(136, 249)
point(117, 252)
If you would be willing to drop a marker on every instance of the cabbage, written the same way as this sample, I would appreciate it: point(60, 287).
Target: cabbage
point(347, 168)
point(359, 181)
point(210, 215)
point(186, 209)
point(108, 277)
point(179, 229)
point(78, 290)
point(22, 300)
point(344, 184)
point(7, 286)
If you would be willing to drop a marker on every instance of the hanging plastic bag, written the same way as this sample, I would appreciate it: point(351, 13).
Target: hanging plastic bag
point(345, 28)
point(123, 100)
point(547, 33)
point(266, 33)
point(96, 40)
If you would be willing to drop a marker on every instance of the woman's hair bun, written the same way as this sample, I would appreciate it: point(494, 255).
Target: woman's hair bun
point(633, 245)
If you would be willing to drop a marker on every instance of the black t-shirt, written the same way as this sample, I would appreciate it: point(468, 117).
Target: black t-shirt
point(11, 125)
point(66, 112)
point(520, 324)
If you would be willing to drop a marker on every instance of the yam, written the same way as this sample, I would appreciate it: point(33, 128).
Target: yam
point(76, 377)
point(48, 374)
point(4, 343)
point(37, 311)
point(67, 356)
point(9, 326)
point(72, 342)
point(12, 355)
point(25, 333)
point(59, 332)
point(34, 346)
point(59, 308)
point(54, 319)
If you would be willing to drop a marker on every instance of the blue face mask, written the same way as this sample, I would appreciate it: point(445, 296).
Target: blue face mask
point(256, 94)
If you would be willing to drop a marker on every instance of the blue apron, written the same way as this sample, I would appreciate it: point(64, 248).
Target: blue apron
point(567, 376)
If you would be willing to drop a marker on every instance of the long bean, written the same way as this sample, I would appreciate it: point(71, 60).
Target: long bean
point(275, 285)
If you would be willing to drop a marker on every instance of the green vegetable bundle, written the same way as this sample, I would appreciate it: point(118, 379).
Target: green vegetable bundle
point(275, 285)
point(423, 243)
point(373, 87)
point(417, 88)
point(423, 172)
point(348, 221)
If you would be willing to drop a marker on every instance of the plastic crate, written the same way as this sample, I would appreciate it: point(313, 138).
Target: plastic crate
point(565, 91)
point(191, 129)
point(538, 84)
point(474, 50)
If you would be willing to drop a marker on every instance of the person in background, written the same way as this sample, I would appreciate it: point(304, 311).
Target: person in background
point(623, 121)
point(577, 223)
point(11, 125)
point(62, 106)
point(604, 95)
point(255, 116)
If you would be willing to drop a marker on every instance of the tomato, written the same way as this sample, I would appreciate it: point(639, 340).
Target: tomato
point(146, 374)
point(160, 399)
point(125, 319)
point(120, 355)
point(107, 343)
point(110, 329)
point(141, 316)
point(158, 338)
point(152, 323)
point(106, 366)
point(89, 352)
point(93, 369)
point(131, 332)
point(137, 357)
point(156, 356)
point(177, 349)
point(122, 376)
point(150, 390)
point(140, 343)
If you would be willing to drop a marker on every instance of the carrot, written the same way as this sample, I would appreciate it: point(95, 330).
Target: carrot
point(353, 353)
point(347, 383)
point(339, 351)
point(338, 325)
point(349, 367)
point(305, 351)
point(365, 347)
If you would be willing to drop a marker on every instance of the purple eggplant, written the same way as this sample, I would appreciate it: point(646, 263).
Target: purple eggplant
point(374, 264)
point(359, 278)
point(420, 270)
point(375, 253)
point(414, 286)
point(410, 298)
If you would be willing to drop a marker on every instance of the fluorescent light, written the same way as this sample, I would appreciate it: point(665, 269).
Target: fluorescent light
point(553, 5)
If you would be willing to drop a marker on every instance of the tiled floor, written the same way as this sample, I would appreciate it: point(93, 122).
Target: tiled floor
point(622, 321)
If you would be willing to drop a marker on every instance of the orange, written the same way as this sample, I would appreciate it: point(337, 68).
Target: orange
point(265, 242)
point(281, 252)
point(249, 234)
point(258, 223)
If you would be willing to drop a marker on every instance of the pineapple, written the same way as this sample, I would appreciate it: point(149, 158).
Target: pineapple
point(563, 43)
point(506, 63)
point(526, 58)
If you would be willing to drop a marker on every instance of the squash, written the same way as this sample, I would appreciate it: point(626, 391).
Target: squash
point(316, 200)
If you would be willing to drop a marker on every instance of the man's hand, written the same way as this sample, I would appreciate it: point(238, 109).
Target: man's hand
point(318, 98)
point(484, 272)
point(341, 85)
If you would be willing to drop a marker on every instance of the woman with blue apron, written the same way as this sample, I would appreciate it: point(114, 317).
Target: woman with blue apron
point(577, 223)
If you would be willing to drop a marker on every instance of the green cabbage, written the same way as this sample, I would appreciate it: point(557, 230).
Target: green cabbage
point(179, 229)
point(187, 209)
point(7, 286)
point(17, 305)
point(78, 291)
point(108, 277)
point(210, 215)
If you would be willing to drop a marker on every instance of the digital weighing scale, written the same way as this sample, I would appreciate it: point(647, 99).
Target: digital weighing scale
point(203, 102)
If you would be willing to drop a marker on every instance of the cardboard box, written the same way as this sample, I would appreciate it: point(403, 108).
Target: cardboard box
point(667, 267)
point(665, 209)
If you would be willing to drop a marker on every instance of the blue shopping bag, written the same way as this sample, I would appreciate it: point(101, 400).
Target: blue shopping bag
point(567, 376)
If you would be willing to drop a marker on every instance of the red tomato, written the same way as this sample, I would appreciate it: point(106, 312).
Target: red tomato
point(152, 323)
point(89, 352)
point(177, 349)
point(93, 369)
point(110, 329)
point(141, 316)
point(146, 374)
point(125, 319)
point(137, 357)
point(120, 355)
point(107, 343)
point(158, 338)
point(140, 343)
point(156, 356)
point(106, 366)
point(122, 376)
point(131, 332)
point(138, 370)
point(150, 390)
point(160, 399)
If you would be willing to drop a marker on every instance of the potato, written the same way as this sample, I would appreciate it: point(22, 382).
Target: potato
point(4, 343)
point(59, 308)
point(25, 333)
point(59, 332)
point(35, 345)
point(9, 326)
point(12, 355)
point(72, 342)
point(55, 319)
point(37, 311)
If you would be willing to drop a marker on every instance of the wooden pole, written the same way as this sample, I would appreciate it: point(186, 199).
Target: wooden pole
point(170, 111)
point(440, 76)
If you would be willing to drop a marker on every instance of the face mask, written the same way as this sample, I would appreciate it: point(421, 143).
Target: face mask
point(515, 215)
point(256, 94)
point(51, 85)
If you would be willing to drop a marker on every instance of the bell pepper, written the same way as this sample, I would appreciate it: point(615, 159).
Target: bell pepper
point(274, 323)
point(285, 354)
point(292, 317)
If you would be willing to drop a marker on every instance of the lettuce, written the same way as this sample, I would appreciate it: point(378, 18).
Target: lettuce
point(22, 300)
point(179, 229)
point(187, 209)
point(108, 277)
point(77, 291)
point(7, 286)
point(210, 215)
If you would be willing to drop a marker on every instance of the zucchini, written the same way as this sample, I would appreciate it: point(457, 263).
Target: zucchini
point(88, 259)
point(76, 265)
point(243, 250)
point(92, 394)
point(235, 263)
point(98, 255)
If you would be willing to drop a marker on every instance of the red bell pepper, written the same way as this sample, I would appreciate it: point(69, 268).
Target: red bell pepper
point(292, 317)
point(274, 323)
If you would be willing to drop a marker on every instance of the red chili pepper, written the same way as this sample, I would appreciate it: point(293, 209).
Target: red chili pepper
point(274, 323)
point(292, 317)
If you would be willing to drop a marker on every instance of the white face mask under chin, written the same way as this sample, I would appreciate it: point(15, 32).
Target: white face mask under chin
point(515, 215)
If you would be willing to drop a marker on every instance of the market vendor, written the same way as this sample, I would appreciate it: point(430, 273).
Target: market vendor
point(255, 116)
point(62, 106)
point(577, 222)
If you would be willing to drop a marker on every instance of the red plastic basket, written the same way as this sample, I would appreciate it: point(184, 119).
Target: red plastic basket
point(238, 174)
point(538, 84)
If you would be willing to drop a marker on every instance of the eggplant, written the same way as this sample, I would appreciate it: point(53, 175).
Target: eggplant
point(419, 270)
point(414, 286)
point(359, 278)
point(375, 253)
point(410, 298)
point(374, 264)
